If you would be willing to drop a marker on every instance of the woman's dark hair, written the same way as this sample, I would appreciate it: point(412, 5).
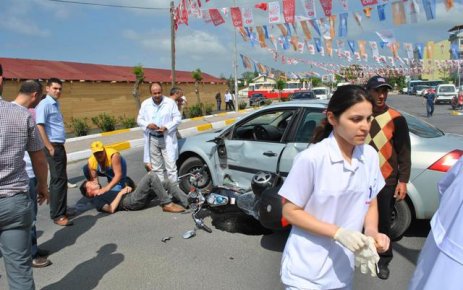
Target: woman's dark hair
point(344, 98)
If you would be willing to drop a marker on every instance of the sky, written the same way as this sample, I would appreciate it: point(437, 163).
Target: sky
point(50, 30)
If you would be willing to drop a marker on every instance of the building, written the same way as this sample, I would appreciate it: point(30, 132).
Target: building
point(92, 89)
point(435, 51)
point(456, 48)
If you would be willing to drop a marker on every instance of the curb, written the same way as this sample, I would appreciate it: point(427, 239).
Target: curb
point(456, 113)
point(125, 145)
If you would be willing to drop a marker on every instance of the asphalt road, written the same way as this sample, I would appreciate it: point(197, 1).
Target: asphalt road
point(125, 251)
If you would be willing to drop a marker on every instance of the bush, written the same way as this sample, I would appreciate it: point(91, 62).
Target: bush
point(195, 111)
point(105, 122)
point(208, 108)
point(127, 122)
point(242, 105)
point(79, 126)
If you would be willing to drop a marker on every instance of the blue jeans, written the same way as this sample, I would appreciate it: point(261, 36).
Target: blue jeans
point(109, 174)
point(15, 240)
point(33, 196)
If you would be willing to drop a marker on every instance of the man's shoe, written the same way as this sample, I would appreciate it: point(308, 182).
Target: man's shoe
point(173, 207)
point(383, 272)
point(40, 262)
point(72, 185)
point(63, 221)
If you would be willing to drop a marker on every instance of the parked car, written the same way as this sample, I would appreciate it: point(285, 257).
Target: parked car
point(302, 95)
point(322, 93)
point(403, 90)
point(445, 93)
point(257, 100)
point(269, 139)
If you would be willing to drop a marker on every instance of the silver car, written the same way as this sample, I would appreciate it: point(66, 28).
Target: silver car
point(269, 139)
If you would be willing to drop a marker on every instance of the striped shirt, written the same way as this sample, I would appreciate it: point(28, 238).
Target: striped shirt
point(18, 134)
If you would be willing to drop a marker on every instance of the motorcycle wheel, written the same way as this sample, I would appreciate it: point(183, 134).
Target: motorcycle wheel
point(192, 164)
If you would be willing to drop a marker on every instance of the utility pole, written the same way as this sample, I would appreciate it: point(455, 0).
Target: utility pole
point(235, 65)
point(172, 41)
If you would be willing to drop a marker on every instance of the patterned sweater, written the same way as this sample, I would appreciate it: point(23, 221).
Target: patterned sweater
point(390, 137)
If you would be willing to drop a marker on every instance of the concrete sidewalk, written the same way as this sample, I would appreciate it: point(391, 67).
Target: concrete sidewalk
point(78, 148)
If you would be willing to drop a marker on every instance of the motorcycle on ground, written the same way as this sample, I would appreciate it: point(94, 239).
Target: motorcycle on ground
point(262, 202)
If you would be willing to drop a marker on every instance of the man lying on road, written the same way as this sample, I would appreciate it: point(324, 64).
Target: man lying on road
point(135, 199)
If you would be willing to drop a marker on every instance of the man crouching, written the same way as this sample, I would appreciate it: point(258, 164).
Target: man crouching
point(135, 199)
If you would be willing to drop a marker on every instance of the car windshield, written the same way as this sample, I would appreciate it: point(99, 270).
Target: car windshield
point(307, 95)
point(421, 128)
point(319, 92)
point(447, 89)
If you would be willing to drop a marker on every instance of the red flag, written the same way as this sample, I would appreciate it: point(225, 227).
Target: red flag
point(262, 5)
point(369, 2)
point(216, 17)
point(289, 9)
point(237, 19)
point(327, 6)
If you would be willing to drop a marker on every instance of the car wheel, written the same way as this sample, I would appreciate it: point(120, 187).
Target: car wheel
point(401, 219)
point(190, 165)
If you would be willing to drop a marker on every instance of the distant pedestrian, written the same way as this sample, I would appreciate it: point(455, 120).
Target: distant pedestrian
point(218, 99)
point(51, 127)
point(229, 101)
point(29, 96)
point(1, 81)
point(440, 265)
point(159, 117)
point(430, 100)
point(18, 134)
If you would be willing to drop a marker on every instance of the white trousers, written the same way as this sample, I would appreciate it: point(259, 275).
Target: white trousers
point(161, 161)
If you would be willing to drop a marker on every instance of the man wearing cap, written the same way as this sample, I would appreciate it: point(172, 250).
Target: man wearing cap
point(389, 135)
point(129, 198)
point(106, 162)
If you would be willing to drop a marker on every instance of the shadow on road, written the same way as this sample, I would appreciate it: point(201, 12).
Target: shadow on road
point(88, 274)
point(67, 236)
point(418, 228)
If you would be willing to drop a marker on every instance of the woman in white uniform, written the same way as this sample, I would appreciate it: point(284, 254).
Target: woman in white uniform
point(440, 265)
point(330, 194)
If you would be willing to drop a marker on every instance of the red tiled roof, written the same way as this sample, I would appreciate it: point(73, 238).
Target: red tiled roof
point(16, 68)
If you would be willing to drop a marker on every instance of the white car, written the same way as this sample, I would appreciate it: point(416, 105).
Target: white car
point(445, 93)
point(270, 138)
point(322, 93)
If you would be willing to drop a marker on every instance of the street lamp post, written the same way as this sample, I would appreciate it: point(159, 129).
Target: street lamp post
point(172, 41)
point(235, 65)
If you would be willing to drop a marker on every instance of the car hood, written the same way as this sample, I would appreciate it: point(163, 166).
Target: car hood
point(198, 140)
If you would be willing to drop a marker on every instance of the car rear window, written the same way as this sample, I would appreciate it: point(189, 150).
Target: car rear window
point(421, 128)
point(447, 89)
point(304, 96)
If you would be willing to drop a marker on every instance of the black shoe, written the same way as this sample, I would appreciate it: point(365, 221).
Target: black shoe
point(42, 253)
point(383, 272)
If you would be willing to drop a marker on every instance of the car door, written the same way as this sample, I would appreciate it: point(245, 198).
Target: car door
point(254, 144)
point(300, 137)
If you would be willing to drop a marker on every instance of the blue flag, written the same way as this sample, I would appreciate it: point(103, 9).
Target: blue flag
point(419, 49)
point(248, 32)
point(315, 26)
point(351, 44)
point(430, 9)
point(318, 44)
point(266, 32)
point(286, 42)
point(381, 12)
point(288, 28)
point(342, 31)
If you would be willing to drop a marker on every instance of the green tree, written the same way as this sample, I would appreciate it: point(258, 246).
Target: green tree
point(197, 75)
point(316, 82)
point(139, 78)
point(249, 76)
point(280, 85)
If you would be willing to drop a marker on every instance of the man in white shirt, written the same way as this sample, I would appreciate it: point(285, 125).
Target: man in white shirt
point(229, 101)
point(160, 117)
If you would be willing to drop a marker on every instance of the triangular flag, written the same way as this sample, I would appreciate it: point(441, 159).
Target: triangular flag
point(327, 5)
point(289, 10)
point(398, 13)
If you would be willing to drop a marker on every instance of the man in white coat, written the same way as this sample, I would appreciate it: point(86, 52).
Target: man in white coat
point(159, 117)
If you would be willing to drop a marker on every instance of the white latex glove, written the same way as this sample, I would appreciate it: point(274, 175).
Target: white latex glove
point(367, 258)
point(353, 240)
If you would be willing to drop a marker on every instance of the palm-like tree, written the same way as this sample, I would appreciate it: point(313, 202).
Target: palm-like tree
point(139, 77)
point(197, 75)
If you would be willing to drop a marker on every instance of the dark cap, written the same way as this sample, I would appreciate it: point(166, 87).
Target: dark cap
point(376, 82)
